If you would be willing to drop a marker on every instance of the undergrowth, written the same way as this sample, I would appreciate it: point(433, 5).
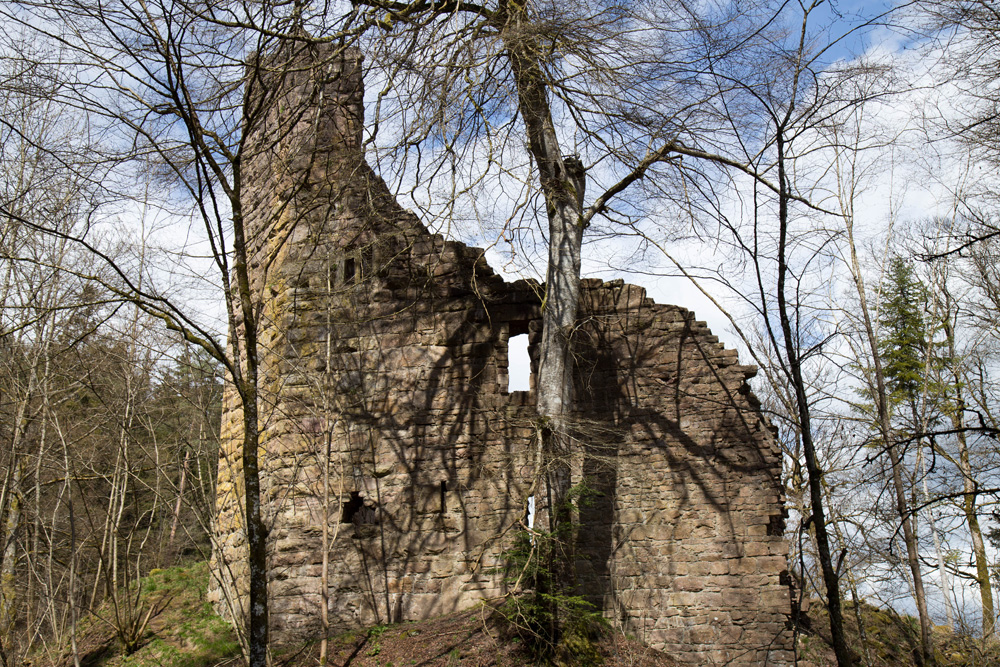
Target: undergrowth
point(183, 629)
point(557, 627)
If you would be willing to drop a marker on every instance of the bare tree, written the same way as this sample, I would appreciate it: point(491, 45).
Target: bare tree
point(165, 84)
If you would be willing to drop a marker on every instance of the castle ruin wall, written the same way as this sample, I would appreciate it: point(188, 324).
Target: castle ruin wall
point(386, 415)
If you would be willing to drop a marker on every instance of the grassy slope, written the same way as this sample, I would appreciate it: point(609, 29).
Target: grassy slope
point(186, 632)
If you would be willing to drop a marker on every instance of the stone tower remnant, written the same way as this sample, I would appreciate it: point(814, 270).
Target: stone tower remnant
point(385, 412)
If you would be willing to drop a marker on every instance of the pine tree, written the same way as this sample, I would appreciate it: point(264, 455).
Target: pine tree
point(911, 360)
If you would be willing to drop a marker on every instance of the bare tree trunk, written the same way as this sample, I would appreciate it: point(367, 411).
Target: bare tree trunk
point(946, 591)
point(180, 488)
point(328, 409)
point(882, 408)
point(10, 520)
point(12, 498)
point(71, 594)
point(247, 386)
point(862, 632)
point(562, 185)
point(969, 505)
point(920, 417)
point(36, 529)
point(324, 579)
point(970, 493)
point(831, 579)
point(909, 535)
point(866, 653)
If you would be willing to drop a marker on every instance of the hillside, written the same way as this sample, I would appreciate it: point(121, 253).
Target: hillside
point(184, 631)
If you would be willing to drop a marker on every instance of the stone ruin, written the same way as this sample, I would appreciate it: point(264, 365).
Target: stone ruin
point(385, 412)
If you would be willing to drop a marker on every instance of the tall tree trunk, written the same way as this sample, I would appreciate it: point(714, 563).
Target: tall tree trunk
point(909, 535)
point(946, 591)
point(180, 488)
point(831, 579)
point(866, 654)
point(970, 497)
point(882, 408)
point(246, 384)
point(10, 522)
point(970, 487)
point(969, 506)
point(562, 184)
point(919, 412)
point(324, 582)
point(12, 497)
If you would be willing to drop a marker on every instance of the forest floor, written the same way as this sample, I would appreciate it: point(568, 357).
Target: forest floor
point(889, 640)
point(184, 631)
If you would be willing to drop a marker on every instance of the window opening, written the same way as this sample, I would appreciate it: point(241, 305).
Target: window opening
point(518, 363)
point(349, 270)
point(531, 512)
point(356, 511)
point(444, 497)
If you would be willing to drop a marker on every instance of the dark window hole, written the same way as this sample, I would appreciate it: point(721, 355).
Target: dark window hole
point(357, 512)
point(776, 525)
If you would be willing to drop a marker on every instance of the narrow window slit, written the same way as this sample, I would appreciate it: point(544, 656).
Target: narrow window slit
point(518, 364)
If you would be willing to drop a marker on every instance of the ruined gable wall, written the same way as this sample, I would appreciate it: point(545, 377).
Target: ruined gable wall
point(385, 415)
point(685, 545)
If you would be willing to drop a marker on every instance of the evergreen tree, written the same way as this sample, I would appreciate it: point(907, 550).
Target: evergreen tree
point(911, 359)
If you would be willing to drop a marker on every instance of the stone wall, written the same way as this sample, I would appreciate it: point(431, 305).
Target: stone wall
point(385, 412)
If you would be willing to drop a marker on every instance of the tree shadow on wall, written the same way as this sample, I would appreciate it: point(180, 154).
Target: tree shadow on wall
point(425, 466)
point(671, 438)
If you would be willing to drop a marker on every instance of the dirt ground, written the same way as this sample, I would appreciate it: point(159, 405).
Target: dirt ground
point(468, 639)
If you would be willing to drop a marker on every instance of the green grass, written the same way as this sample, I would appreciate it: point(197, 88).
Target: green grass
point(186, 633)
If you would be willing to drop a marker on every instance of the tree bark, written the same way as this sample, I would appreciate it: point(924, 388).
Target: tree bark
point(564, 212)
point(561, 183)
point(946, 590)
point(978, 547)
point(970, 502)
point(246, 385)
point(10, 520)
point(882, 408)
point(562, 186)
point(180, 492)
point(815, 473)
